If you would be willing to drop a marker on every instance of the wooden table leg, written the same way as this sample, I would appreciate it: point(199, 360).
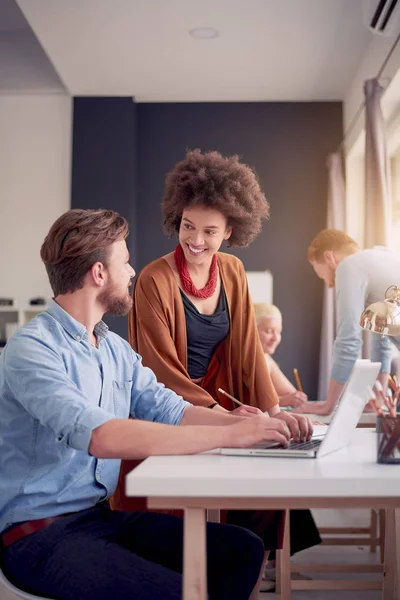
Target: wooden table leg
point(194, 555)
point(283, 570)
point(389, 574)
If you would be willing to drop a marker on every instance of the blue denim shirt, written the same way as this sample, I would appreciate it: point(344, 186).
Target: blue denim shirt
point(55, 388)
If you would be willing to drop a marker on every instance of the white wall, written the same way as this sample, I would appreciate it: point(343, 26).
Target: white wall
point(35, 169)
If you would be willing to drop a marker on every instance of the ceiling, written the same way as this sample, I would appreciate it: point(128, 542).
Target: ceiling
point(11, 18)
point(24, 66)
point(267, 50)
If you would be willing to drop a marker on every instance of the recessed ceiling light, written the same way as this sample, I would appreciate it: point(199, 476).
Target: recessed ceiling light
point(204, 33)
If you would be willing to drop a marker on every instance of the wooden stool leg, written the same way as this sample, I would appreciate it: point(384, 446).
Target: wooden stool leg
point(213, 515)
point(389, 573)
point(283, 571)
point(373, 530)
point(256, 591)
point(382, 524)
point(397, 550)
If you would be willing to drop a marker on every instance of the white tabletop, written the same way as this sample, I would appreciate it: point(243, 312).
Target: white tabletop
point(352, 472)
point(367, 418)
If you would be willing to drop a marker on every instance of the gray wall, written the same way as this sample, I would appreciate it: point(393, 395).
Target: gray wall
point(104, 168)
point(287, 144)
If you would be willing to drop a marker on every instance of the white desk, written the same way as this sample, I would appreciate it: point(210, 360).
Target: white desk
point(367, 419)
point(350, 478)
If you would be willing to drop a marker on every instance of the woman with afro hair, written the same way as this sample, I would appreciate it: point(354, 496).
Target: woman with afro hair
point(192, 319)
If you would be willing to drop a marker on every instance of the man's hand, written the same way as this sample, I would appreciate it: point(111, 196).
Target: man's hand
point(294, 399)
point(300, 427)
point(315, 408)
point(327, 407)
point(258, 429)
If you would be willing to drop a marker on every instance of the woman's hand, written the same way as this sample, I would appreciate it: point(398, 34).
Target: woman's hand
point(246, 411)
point(315, 408)
point(295, 399)
point(369, 407)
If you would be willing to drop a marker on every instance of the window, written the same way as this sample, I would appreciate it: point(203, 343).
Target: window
point(395, 176)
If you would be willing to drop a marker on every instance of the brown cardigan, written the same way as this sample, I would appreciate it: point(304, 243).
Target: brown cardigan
point(157, 331)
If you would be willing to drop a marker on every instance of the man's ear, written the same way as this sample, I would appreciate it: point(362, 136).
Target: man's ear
point(330, 258)
point(98, 273)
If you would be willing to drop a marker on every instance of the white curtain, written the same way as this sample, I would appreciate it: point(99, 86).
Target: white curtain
point(336, 220)
point(378, 201)
point(378, 198)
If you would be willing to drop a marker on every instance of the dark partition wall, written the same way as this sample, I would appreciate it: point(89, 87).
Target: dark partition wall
point(123, 151)
point(104, 164)
point(287, 143)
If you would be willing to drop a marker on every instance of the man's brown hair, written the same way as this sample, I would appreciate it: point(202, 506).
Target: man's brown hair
point(333, 240)
point(75, 242)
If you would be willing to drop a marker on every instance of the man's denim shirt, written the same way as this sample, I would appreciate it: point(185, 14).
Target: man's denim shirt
point(55, 388)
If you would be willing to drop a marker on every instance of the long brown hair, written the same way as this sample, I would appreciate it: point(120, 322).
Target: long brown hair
point(75, 242)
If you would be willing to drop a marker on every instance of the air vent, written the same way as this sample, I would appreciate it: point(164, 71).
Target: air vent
point(383, 16)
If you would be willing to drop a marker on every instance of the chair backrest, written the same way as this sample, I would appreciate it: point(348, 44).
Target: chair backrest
point(9, 592)
point(260, 286)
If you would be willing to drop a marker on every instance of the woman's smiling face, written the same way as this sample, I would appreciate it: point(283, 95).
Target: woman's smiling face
point(270, 332)
point(201, 233)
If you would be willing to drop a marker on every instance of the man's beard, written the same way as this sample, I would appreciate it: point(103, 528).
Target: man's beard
point(114, 305)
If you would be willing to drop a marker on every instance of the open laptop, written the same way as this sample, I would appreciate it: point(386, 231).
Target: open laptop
point(338, 435)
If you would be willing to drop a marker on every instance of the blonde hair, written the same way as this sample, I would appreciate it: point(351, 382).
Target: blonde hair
point(330, 240)
point(263, 310)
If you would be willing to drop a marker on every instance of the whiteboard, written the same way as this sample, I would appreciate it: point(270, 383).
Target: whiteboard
point(260, 286)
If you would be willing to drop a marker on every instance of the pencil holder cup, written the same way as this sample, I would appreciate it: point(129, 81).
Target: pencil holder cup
point(388, 438)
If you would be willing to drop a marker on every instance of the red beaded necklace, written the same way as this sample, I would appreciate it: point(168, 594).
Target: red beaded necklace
point(186, 281)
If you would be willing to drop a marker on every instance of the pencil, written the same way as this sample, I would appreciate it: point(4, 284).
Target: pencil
point(231, 397)
point(297, 378)
point(392, 383)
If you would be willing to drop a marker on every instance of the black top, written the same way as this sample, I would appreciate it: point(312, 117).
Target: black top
point(204, 333)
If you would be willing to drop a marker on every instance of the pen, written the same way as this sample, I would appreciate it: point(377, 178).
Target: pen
point(297, 378)
point(231, 397)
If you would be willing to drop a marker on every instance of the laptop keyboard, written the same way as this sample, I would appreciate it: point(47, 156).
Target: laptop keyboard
point(311, 445)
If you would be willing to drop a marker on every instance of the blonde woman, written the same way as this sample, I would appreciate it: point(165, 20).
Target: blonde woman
point(269, 325)
point(303, 531)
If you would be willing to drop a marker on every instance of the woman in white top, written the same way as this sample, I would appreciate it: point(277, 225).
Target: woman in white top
point(269, 325)
point(303, 531)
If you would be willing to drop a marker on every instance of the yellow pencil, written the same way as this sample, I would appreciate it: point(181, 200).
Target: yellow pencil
point(231, 397)
point(297, 378)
